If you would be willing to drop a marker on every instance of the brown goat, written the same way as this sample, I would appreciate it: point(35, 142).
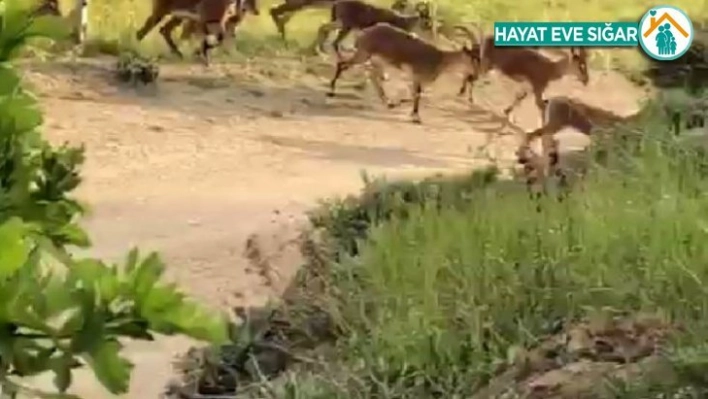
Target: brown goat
point(348, 15)
point(559, 113)
point(210, 15)
point(190, 27)
point(282, 13)
point(384, 43)
point(529, 67)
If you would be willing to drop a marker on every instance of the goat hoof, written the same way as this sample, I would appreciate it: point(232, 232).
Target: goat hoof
point(329, 94)
point(416, 120)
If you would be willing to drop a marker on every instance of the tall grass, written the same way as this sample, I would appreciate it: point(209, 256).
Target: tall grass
point(435, 301)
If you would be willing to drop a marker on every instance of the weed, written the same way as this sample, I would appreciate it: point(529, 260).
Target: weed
point(134, 69)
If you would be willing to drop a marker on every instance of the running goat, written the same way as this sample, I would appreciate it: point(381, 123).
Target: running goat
point(387, 44)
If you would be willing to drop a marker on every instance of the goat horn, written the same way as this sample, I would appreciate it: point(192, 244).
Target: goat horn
point(479, 39)
point(470, 35)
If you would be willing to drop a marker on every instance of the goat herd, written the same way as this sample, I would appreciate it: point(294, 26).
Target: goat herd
point(386, 37)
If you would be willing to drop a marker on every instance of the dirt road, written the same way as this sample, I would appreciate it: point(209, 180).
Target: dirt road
point(212, 157)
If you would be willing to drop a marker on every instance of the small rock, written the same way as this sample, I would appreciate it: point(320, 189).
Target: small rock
point(579, 341)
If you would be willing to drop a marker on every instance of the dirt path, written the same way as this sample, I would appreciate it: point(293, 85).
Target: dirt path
point(213, 157)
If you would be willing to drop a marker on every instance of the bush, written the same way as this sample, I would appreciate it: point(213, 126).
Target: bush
point(436, 287)
point(437, 299)
point(57, 312)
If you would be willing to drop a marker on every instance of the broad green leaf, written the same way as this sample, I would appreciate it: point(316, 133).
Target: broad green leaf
point(197, 323)
point(146, 275)
point(110, 369)
point(75, 235)
point(59, 295)
point(131, 261)
point(161, 299)
point(50, 249)
point(49, 26)
point(15, 18)
point(13, 250)
point(135, 329)
point(88, 271)
point(62, 372)
point(9, 80)
point(23, 113)
point(23, 315)
point(92, 331)
point(28, 358)
point(109, 287)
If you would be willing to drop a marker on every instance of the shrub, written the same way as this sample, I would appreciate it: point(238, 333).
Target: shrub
point(436, 285)
point(58, 312)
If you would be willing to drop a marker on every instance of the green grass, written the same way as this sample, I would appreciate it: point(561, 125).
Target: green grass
point(446, 283)
point(113, 22)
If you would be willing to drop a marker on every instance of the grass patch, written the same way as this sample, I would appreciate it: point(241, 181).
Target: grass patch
point(440, 295)
point(440, 288)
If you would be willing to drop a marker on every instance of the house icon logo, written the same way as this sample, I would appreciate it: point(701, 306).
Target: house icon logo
point(666, 33)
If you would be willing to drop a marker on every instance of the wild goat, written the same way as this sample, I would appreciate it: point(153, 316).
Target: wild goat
point(242, 8)
point(559, 113)
point(348, 15)
point(429, 24)
point(529, 67)
point(564, 112)
point(391, 45)
point(210, 15)
point(282, 13)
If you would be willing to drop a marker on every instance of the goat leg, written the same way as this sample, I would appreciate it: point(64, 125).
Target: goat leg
point(417, 90)
point(463, 88)
point(342, 66)
point(524, 152)
point(376, 76)
point(359, 57)
point(280, 15)
point(468, 86)
point(150, 23)
point(343, 32)
point(166, 32)
point(519, 98)
point(540, 104)
point(322, 35)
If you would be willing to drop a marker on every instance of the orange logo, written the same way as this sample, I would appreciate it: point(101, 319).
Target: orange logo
point(655, 23)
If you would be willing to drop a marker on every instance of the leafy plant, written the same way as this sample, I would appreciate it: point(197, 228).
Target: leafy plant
point(132, 68)
point(57, 312)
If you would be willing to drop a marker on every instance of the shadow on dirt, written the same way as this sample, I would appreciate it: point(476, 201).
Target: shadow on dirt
point(381, 156)
point(224, 92)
